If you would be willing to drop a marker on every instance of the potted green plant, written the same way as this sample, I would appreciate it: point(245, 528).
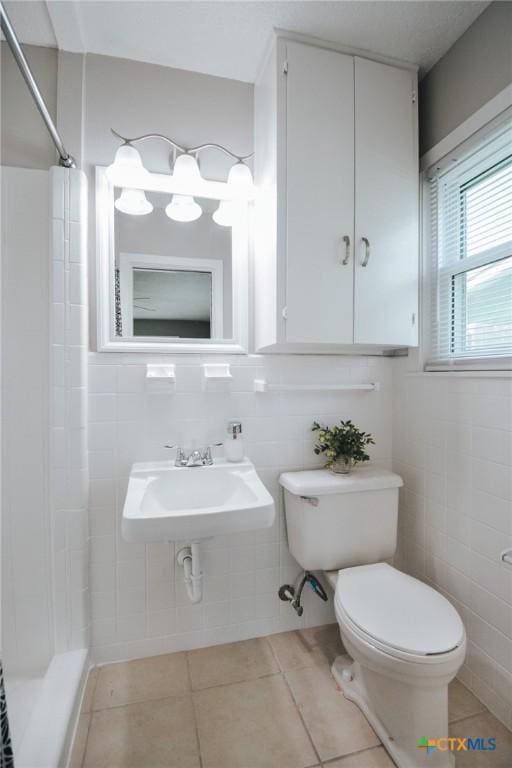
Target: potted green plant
point(344, 445)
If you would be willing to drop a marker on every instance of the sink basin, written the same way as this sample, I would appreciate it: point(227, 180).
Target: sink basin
point(164, 502)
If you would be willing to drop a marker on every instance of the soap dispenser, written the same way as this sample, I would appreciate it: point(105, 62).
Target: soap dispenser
point(234, 445)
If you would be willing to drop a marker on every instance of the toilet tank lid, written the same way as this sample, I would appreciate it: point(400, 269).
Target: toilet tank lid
point(321, 482)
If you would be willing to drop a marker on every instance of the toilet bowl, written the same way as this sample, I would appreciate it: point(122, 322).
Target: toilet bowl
point(405, 641)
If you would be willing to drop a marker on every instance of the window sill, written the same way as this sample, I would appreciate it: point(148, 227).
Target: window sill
point(497, 366)
point(464, 373)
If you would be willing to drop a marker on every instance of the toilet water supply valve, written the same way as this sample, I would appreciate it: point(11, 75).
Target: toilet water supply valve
point(293, 594)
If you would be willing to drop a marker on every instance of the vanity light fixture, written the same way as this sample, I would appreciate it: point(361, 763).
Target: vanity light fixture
point(240, 179)
point(240, 185)
point(134, 202)
point(187, 174)
point(223, 215)
point(127, 171)
point(183, 208)
point(186, 170)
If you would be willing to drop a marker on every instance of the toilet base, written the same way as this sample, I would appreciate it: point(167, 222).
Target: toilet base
point(350, 677)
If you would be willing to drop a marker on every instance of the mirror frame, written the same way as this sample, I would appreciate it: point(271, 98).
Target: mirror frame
point(107, 341)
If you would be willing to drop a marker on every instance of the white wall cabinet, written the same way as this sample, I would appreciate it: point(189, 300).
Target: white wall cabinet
point(336, 171)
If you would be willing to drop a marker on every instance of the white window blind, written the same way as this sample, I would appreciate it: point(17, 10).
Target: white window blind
point(471, 247)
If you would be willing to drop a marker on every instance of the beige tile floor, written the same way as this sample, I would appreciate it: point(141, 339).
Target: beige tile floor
point(264, 703)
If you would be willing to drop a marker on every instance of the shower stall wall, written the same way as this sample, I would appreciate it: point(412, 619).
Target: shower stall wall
point(45, 605)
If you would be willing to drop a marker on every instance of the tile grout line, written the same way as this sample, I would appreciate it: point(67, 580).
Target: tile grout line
point(283, 676)
point(144, 701)
point(96, 670)
point(236, 682)
point(467, 717)
point(332, 760)
point(90, 713)
point(478, 714)
point(196, 727)
point(186, 693)
point(82, 760)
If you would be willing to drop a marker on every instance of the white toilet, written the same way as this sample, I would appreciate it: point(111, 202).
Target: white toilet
point(405, 640)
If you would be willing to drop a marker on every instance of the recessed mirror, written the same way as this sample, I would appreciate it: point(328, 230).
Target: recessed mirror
point(172, 269)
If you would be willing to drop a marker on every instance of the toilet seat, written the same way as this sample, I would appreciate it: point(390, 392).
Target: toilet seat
point(397, 614)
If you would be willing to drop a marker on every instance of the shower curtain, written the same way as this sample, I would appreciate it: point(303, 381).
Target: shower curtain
point(6, 754)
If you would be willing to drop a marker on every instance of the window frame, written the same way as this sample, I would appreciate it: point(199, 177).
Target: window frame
point(431, 276)
point(128, 262)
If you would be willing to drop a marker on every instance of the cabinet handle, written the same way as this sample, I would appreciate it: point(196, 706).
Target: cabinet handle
point(366, 258)
point(345, 239)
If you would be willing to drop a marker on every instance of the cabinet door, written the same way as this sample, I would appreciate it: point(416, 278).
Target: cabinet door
point(319, 195)
point(386, 204)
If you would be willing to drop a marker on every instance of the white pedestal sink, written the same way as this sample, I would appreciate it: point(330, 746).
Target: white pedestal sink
point(164, 502)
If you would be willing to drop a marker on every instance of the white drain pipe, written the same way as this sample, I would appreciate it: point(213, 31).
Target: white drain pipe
point(190, 560)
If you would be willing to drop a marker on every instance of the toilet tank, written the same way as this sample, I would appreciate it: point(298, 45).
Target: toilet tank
point(337, 521)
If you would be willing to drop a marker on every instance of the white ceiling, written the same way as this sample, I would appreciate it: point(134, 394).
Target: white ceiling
point(227, 38)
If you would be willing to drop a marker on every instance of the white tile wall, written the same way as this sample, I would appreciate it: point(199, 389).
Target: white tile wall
point(68, 409)
point(27, 642)
point(138, 601)
point(452, 443)
point(44, 490)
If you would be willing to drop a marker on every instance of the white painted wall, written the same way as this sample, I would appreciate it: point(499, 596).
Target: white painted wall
point(139, 604)
point(24, 140)
point(452, 444)
point(472, 71)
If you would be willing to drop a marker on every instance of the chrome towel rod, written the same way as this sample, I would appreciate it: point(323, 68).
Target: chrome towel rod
point(65, 159)
point(261, 385)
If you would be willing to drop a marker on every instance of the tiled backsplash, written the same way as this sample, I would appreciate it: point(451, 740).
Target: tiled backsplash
point(452, 444)
point(139, 605)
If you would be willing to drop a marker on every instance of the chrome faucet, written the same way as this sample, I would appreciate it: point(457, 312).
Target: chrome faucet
point(196, 458)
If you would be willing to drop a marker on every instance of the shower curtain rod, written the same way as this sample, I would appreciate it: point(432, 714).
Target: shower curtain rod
point(65, 159)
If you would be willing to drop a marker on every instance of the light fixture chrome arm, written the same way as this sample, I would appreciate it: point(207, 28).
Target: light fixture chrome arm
point(65, 159)
point(150, 136)
point(179, 147)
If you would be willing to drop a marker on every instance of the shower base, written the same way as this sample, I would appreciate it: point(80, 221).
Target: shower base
point(43, 711)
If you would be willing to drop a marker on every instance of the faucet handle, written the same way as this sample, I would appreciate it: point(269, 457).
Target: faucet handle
point(207, 452)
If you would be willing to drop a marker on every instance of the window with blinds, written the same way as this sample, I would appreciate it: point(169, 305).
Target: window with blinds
point(471, 246)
